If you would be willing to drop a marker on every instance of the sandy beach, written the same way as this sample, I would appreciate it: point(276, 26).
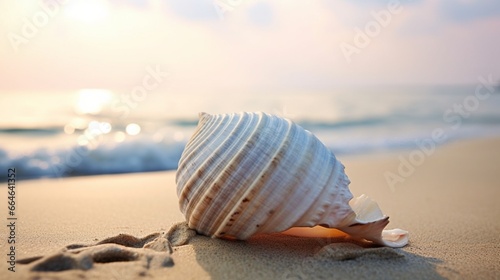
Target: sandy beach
point(448, 202)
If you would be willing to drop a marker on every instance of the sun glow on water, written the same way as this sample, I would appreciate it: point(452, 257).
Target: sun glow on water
point(92, 101)
point(133, 129)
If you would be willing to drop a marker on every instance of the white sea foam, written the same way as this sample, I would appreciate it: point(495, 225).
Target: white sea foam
point(131, 156)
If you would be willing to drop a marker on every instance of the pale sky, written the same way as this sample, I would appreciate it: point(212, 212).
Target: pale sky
point(250, 45)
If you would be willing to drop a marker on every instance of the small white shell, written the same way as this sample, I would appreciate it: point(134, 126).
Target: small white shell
point(247, 173)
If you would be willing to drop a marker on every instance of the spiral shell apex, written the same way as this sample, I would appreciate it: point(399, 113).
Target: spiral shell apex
point(247, 173)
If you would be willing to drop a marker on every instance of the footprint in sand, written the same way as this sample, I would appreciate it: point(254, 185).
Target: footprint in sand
point(152, 251)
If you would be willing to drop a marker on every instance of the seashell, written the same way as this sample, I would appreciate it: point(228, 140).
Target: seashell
point(247, 173)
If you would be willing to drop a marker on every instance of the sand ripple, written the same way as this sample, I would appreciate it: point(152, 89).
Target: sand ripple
point(348, 251)
point(152, 251)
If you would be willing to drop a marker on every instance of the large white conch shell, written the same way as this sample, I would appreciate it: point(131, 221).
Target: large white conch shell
point(247, 173)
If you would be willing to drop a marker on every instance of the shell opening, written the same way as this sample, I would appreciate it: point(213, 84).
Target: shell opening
point(370, 222)
point(366, 209)
point(368, 225)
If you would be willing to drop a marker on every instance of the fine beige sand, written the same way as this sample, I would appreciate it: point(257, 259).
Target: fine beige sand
point(130, 227)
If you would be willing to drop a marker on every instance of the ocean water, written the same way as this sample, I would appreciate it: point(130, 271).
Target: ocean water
point(95, 131)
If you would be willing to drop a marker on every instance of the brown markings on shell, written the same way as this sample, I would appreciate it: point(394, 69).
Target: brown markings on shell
point(235, 205)
point(257, 186)
point(228, 220)
point(197, 212)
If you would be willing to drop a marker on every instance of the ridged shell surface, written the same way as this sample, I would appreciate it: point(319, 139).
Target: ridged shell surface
point(247, 173)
